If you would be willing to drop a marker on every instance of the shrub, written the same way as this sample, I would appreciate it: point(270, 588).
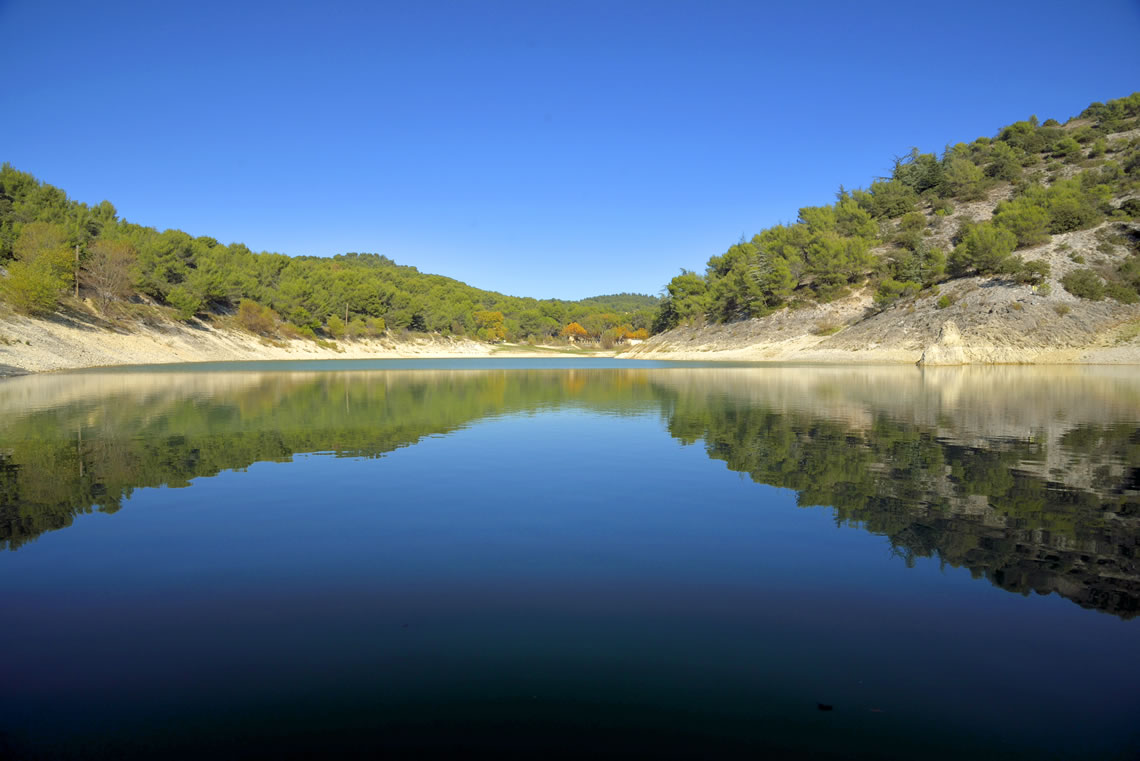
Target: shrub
point(890, 291)
point(912, 222)
point(923, 265)
point(963, 179)
point(1022, 135)
point(42, 269)
point(985, 248)
point(611, 336)
point(942, 207)
point(1033, 272)
point(891, 199)
point(826, 328)
point(944, 301)
point(1129, 271)
point(289, 330)
point(1005, 162)
point(1066, 148)
point(1029, 222)
point(1085, 134)
point(256, 318)
point(184, 302)
point(32, 287)
point(376, 326)
point(1099, 148)
point(1070, 208)
point(1121, 292)
point(336, 327)
point(357, 328)
point(1044, 289)
point(1062, 309)
point(1085, 284)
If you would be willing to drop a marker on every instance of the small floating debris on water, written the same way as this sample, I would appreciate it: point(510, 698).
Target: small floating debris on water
point(825, 707)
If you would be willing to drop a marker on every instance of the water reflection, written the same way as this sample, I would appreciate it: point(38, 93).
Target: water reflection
point(1029, 478)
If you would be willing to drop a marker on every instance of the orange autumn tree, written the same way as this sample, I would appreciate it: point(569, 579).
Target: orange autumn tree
point(574, 331)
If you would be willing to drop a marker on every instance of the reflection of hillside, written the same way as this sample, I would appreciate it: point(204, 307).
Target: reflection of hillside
point(970, 406)
point(1038, 495)
point(88, 440)
point(1026, 476)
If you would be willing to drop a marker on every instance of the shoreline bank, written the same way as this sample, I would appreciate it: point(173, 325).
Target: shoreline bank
point(30, 346)
point(39, 346)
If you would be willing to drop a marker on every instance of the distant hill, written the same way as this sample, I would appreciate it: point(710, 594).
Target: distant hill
point(621, 302)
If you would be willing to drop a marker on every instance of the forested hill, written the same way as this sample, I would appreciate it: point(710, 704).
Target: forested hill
point(981, 209)
point(1007, 209)
point(48, 242)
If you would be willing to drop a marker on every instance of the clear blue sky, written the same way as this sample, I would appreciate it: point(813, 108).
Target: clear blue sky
point(539, 148)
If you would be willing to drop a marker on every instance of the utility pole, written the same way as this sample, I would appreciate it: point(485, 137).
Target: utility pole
point(76, 270)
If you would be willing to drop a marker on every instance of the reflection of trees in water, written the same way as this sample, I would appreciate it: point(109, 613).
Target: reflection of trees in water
point(89, 454)
point(1035, 513)
point(971, 506)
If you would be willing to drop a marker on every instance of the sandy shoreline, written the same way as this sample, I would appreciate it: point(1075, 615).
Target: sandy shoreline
point(35, 346)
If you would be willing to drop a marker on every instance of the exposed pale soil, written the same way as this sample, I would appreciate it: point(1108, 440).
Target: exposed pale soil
point(38, 345)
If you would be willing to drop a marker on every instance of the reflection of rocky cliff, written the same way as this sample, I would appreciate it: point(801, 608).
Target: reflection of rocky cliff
point(1028, 477)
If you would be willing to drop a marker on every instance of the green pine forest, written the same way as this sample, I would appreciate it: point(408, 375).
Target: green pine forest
point(57, 253)
point(48, 242)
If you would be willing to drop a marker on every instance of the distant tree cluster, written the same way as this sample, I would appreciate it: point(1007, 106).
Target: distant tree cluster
point(879, 235)
point(51, 246)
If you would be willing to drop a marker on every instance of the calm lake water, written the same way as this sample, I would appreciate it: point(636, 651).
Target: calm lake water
point(566, 558)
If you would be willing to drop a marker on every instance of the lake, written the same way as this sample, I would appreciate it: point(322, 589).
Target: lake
point(568, 558)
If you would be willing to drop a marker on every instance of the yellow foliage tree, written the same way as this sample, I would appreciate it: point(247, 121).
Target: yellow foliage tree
point(42, 269)
point(492, 326)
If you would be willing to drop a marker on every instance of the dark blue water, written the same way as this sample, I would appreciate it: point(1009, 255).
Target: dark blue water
point(578, 561)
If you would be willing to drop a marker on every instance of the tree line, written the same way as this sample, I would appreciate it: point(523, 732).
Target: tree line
point(53, 247)
point(1062, 177)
